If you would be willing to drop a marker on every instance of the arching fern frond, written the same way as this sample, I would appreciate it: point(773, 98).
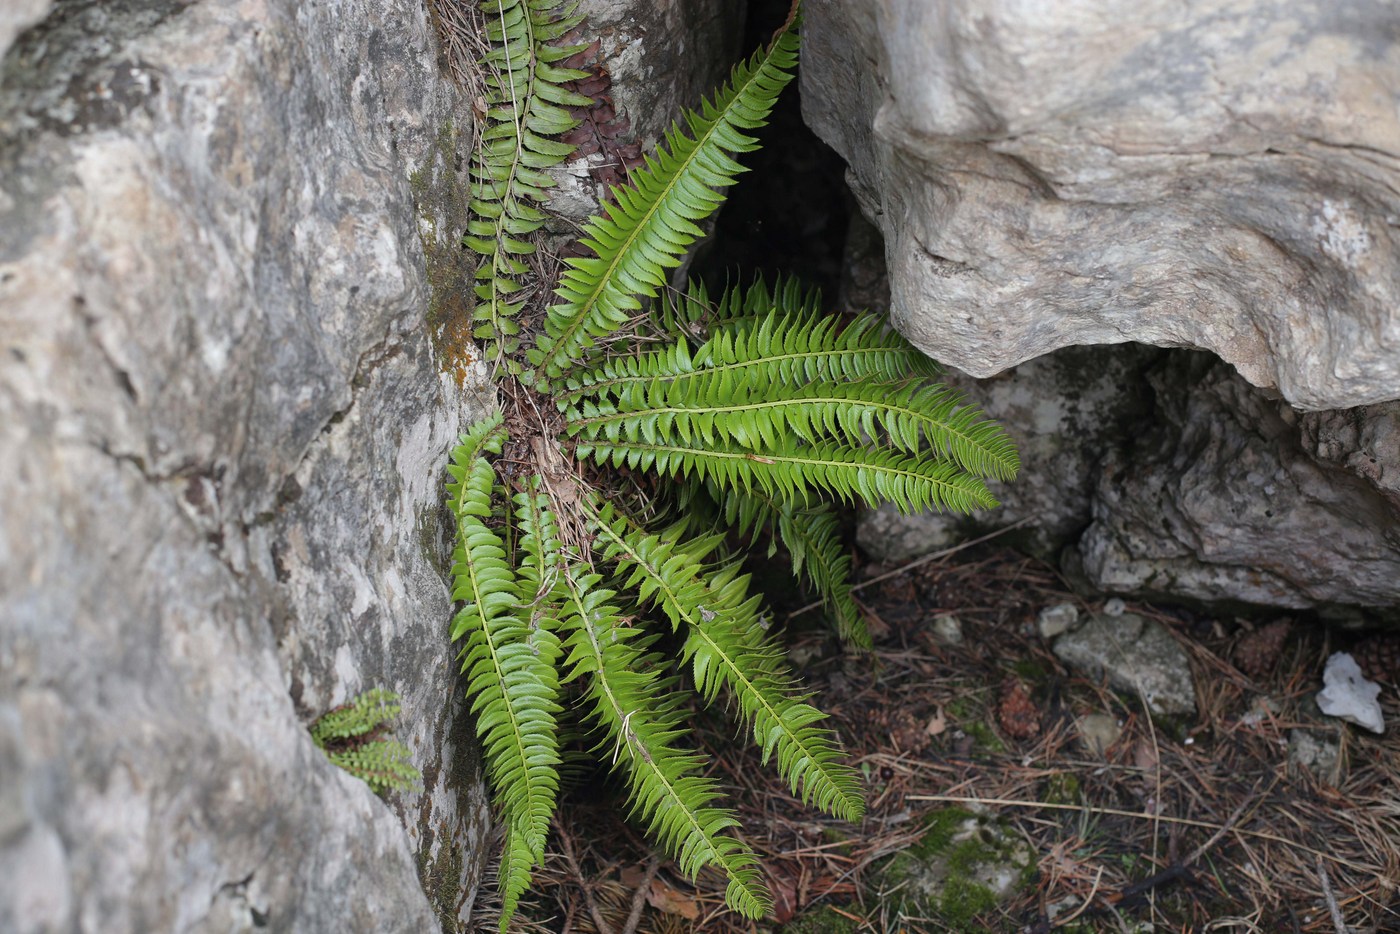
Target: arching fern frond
point(782, 347)
point(802, 474)
point(510, 666)
point(525, 108)
point(724, 648)
point(812, 539)
point(668, 792)
point(715, 410)
point(656, 218)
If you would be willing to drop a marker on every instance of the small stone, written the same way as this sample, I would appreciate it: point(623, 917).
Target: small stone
point(1057, 619)
point(1114, 607)
point(1347, 695)
point(947, 629)
point(1318, 754)
point(1263, 709)
point(1136, 655)
point(1098, 731)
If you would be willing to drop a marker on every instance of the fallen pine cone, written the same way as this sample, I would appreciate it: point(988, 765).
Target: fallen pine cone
point(1378, 657)
point(1257, 654)
point(1017, 713)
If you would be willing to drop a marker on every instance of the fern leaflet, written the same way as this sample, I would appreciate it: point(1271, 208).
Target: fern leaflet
point(722, 648)
point(667, 791)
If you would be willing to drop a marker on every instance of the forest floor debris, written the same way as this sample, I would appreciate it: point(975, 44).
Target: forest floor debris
point(1198, 822)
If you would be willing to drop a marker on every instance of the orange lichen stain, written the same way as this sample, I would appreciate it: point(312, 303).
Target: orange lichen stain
point(457, 352)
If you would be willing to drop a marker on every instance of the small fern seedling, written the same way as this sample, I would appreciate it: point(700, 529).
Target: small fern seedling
point(351, 737)
point(756, 412)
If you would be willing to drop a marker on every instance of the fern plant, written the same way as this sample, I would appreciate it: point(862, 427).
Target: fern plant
point(352, 737)
point(754, 411)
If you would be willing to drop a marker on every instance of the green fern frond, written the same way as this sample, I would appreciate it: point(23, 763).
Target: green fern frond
point(513, 877)
point(782, 347)
point(801, 474)
point(537, 576)
point(812, 539)
point(667, 791)
point(525, 107)
point(714, 410)
point(510, 666)
point(384, 765)
point(723, 649)
point(362, 715)
point(656, 218)
point(347, 736)
point(684, 312)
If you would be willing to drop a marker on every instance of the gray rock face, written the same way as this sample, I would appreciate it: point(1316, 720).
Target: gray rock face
point(1232, 496)
point(222, 435)
point(1222, 177)
point(662, 55)
point(1163, 474)
point(231, 367)
point(1136, 655)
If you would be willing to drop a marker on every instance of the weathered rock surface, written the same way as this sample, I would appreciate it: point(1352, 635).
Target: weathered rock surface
point(229, 233)
point(222, 434)
point(1163, 474)
point(1136, 655)
point(1233, 496)
point(1223, 177)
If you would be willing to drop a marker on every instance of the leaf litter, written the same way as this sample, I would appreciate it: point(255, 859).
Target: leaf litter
point(1197, 824)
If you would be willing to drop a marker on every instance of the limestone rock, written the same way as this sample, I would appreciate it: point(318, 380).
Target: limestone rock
point(17, 16)
point(1316, 751)
point(1223, 499)
point(965, 864)
point(1222, 177)
point(223, 427)
point(1164, 475)
point(1064, 410)
point(1137, 655)
point(1055, 620)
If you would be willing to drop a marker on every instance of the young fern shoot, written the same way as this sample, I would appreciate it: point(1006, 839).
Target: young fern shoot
point(759, 412)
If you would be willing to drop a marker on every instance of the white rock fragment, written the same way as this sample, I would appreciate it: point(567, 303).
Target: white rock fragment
point(1114, 607)
point(1347, 695)
point(1057, 619)
point(947, 629)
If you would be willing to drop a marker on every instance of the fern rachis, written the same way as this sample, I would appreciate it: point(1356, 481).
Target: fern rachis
point(759, 407)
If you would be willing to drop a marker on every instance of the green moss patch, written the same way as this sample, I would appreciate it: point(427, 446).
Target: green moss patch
point(960, 870)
